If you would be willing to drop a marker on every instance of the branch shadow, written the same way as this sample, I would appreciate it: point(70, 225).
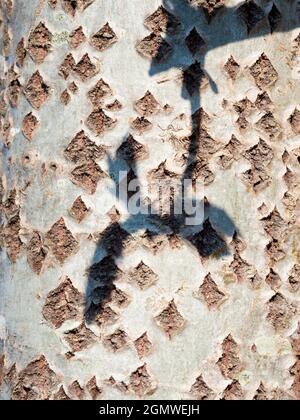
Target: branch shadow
point(207, 238)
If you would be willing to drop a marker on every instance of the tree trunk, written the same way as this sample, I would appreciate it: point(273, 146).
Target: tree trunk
point(98, 302)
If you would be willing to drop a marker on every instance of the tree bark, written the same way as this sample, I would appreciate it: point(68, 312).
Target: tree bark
point(97, 302)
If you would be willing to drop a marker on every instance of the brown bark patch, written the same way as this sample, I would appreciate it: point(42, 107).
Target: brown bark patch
point(37, 91)
point(82, 148)
point(80, 338)
point(11, 237)
point(21, 53)
point(104, 38)
point(87, 176)
point(39, 43)
point(147, 105)
point(77, 37)
point(280, 312)
point(251, 14)
point(195, 42)
point(93, 389)
point(65, 97)
point(294, 279)
point(162, 21)
point(143, 276)
point(143, 346)
point(230, 364)
point(98, 122)
point(141, 382)
point(294, 120)
point(170, 320)
point(233, 392)
point(36, 253)
point(208, 242)
point(99, 92)
point(79, 210)
point(200, 390)
point(232, 68)
point(116, 341)
point(61, 395)
point(61, 241)
point(211, 294)
point(263, 72)
point(30, 125)
point(154, 47)
point(62, 304)
point(67, 66)
point(36, 382)
point(85, 69)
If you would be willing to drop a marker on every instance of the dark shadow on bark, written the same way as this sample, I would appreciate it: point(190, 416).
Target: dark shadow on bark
point(256, 20)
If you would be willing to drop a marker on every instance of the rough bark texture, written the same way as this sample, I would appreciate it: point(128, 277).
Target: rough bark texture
point(94, 302)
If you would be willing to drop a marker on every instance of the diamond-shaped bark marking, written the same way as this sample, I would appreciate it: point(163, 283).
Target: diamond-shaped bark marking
point(77, 37)
point(295, 372)
point(170, 320)
point(263, 102)
point(77, 391)
point(115, 240)
point(61, 395)
point(141, 124)
point(65, 97)
point(154, 47)
point(275, 225)
point(36, 382)
point(79, 210)
point(270, 126)
point(245, 271)
point(36, 91)
point(232, 152)
point(147, 105)
point(274, 18)
point(29, 125)
point(201, 391)
point(230, 364)
point(99, 122)
point(52, 3)
point(251, 14)
point(208, 242)
point(99, 92)
point(80, 338)
point(162, 21)
point(291, 179)
point(234, 392)
point(261, 393)
point(93, 388)
point(195, 78)
point(294, 120)
point(280, 312)
point(294, 278)
point(143, 276)
point(232, 68)
point(101, 315)
point(141, 382)
point(211, 293)
point(275, 251)
point(61, 241)
point(104, 38)
point(14, 90)
point(73, 6)
point(143, 346)
point(82, 149)
point(263, 72)
point(62, 304)
point(209, 6)
point(87, 175)
point(116, 341)
point(273, 280)
point(132, 151)
point(243, 107)
point(11, 237)
point(85, 69)
point(195, 42)
point(36, 252)
point(258, 179)
point(21, 53)
point(67, 66)
point(105, 272)
point(39, 43)
point(260, 155)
